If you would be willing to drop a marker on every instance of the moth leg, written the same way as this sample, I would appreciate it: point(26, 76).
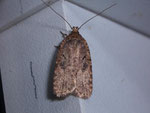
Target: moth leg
point(56, 47)
point(63, 34)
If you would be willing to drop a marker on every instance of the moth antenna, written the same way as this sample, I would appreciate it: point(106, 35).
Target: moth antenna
point(56, 12)
point(97, 15)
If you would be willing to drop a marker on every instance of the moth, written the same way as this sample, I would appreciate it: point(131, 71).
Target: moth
point(73, 68)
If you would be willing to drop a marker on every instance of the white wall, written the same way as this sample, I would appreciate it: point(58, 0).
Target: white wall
point(120, 59)
point(14, 11)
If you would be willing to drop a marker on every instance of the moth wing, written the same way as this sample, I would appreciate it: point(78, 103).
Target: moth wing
point(84, 75)
point(63, 82)
point(73, 71)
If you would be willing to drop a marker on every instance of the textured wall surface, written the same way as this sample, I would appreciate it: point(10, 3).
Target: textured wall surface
point(120, 60)
point(14, 11)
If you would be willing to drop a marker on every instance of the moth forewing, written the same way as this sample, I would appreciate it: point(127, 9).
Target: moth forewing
point(73, 70)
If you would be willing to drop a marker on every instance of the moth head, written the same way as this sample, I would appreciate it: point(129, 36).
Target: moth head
point(75, 29)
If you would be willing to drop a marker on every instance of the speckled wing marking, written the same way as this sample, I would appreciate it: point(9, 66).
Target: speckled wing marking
point(73, 69)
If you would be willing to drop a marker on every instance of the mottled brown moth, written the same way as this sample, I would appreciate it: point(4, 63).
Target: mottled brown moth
point(73, 68)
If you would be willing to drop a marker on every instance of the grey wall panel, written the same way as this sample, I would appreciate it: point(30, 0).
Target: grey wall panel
point(133, 14)
point(14, 11)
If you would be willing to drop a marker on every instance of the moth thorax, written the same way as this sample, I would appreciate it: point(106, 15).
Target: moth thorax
point(75, 29)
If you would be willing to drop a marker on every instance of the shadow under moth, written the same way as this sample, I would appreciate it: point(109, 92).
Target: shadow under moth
point(73, 68)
